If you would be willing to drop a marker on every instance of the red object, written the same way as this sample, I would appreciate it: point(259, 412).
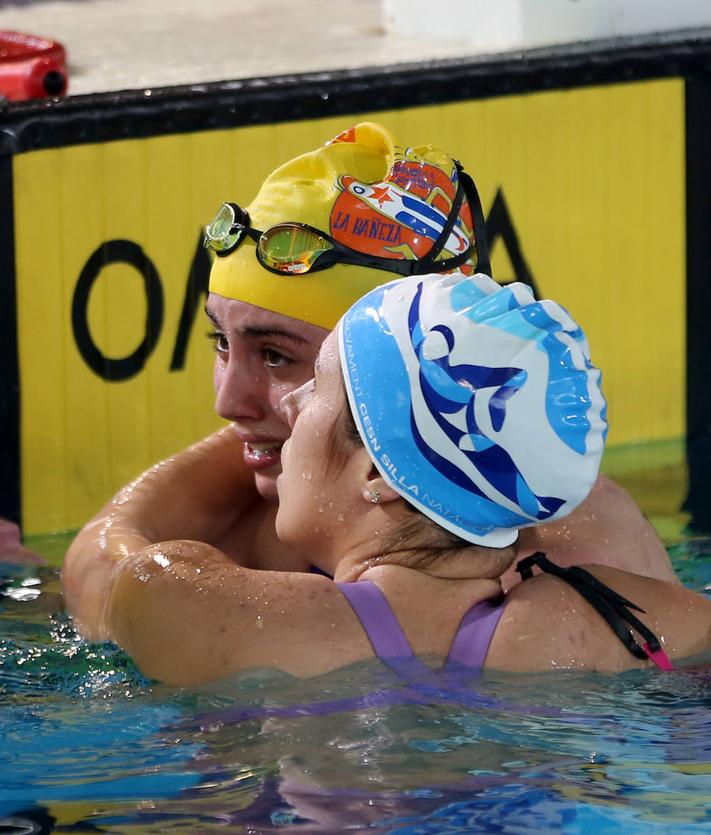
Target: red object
point(31, 67)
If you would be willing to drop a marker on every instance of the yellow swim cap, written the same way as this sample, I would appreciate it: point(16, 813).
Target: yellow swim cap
point(368, 195)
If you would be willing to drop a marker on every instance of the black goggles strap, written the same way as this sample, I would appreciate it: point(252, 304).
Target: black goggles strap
point(438, 245)
point(242, 219)
point(465, 187)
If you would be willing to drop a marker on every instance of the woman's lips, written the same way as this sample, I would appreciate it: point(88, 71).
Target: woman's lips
point(262, 456)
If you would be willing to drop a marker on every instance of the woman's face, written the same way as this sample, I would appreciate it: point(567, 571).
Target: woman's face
point(314, 501)
point(259, 357)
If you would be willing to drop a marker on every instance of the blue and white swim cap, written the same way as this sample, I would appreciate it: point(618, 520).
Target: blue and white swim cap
point(477, 403)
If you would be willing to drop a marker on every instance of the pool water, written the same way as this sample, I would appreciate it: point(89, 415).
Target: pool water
point(89, 745)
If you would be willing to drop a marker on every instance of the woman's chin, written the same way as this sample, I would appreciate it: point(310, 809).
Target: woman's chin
point(266, 484)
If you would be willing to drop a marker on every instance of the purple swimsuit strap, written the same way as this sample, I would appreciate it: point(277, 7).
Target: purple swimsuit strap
point(477, 627)
point(378, 619)
point(470, 643)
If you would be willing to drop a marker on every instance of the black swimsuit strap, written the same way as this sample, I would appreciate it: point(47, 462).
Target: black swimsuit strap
point(611, 606)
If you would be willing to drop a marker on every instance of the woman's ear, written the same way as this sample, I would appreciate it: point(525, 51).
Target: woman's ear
point(377, 491)
point(374, 488)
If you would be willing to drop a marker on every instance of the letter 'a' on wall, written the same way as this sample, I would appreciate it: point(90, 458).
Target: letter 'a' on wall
point(583, 188)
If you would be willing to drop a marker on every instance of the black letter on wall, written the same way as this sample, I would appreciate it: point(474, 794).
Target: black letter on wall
point(112, 252)
point(196, 288)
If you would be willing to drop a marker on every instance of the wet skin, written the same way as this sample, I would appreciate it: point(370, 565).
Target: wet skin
point(260, 357)
point(318, 501)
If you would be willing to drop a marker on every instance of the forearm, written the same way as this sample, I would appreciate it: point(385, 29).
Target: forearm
point(198, 494)
point(158, 606)
point(187, 614)
point(87, 568)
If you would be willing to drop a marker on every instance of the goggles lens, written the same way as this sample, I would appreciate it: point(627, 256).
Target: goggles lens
point(221, 234)
point(290, 248)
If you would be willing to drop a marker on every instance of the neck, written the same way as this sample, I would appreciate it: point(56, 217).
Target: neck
point(391, 535)
point(472, 563)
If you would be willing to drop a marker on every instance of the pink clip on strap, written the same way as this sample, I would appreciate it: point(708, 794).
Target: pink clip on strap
point(659, 657)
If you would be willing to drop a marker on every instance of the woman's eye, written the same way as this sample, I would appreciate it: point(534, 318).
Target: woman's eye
point(219, 342)
point(275, 359)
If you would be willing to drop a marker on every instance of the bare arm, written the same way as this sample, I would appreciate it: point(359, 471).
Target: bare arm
point(188, 614)
point(608, 528)
point(203, 493)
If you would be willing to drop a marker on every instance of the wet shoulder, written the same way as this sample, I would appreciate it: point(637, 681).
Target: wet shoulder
point(548, 625)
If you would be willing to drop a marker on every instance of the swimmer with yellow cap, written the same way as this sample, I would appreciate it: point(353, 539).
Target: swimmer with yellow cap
point(324, 229)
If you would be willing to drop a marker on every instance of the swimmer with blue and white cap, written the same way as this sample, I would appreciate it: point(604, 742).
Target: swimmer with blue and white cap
point(446, 414)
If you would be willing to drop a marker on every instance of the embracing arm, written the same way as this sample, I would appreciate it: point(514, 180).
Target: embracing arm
point(203, 493)
point(608, 528)
point(187, 614)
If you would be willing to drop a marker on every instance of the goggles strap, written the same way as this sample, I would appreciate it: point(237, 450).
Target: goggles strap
point(241, 216)
point(466, 187)
point(438, 245)
point(427, 265)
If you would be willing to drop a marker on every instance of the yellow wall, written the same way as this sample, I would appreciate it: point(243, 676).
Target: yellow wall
point(594, 181)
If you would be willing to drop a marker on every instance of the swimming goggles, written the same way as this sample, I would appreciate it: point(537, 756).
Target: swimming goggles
point(294, 248)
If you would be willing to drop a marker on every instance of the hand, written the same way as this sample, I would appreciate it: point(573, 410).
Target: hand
point(11, 548)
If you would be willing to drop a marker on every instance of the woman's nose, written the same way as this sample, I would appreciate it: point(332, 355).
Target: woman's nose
point(239, 394)
point(289, 408)
point(293, 402)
